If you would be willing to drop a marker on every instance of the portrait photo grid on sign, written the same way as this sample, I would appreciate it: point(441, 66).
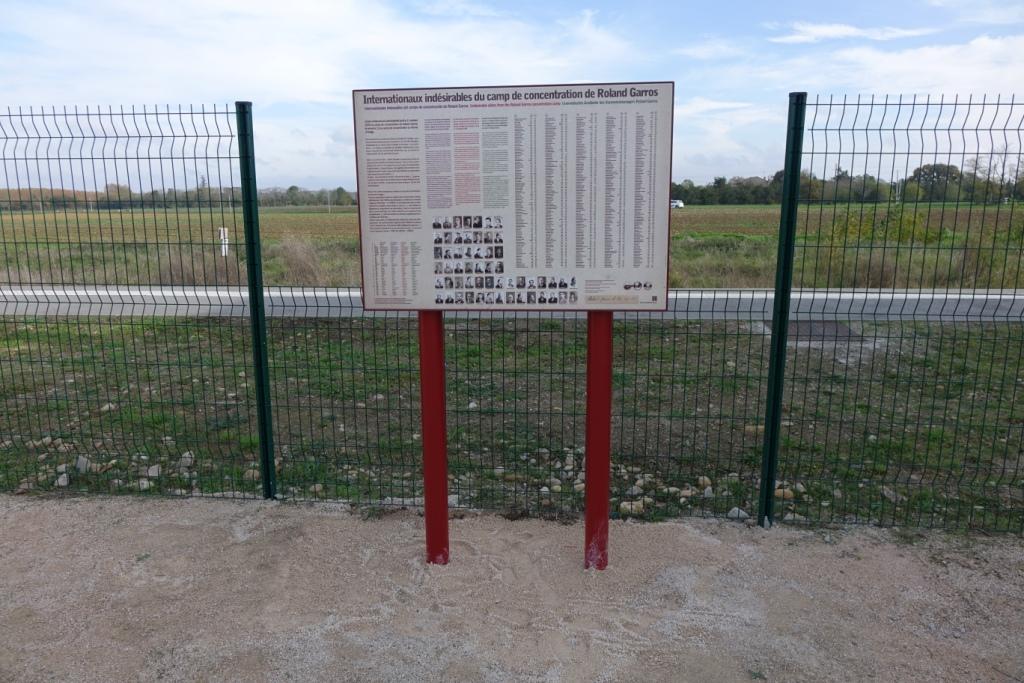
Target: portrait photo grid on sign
point(469, 268)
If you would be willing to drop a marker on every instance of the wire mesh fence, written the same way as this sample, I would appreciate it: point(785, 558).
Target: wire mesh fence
point(347, 419)
point(909, 416)
point(128, 356)
point(117, 201)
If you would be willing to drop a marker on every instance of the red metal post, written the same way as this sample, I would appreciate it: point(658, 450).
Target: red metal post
point(599, 437)
point(435, 438)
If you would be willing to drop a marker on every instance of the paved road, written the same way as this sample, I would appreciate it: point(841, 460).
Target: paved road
point(698, 304)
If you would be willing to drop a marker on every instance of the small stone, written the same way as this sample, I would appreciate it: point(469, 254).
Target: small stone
point(62, 468)
point(46, 441)
point(634, 491)
point(785, 494)
point(737, 513)
point(647, 500)
point(6, 444)
point(153, 471)
point(579, 487)
point(793, 517)
point(544, 490)
point(672, 490)
point(472, 405)
point(499, 471)
point(251, 475)
point(82, 464)
point(754, 429)
point(317, 489)
point(107, 407)
point(891, 495)
point(800, 488)
point(686, 493)
point(144, 484)
point(709, 492)
point(557, 488)
point(187, 460)
point(378, 397)
point(631, 507)
point(62, 481)
point(704, 482)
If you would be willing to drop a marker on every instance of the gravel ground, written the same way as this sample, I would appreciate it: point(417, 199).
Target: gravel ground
point(131, 589)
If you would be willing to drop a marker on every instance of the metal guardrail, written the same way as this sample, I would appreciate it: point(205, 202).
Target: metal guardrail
point(934, 305)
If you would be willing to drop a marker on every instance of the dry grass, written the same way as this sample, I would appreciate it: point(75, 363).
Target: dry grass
point(182, 265)
point(711, 246)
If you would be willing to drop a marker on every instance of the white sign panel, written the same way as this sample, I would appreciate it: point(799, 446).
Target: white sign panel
point(550, 197)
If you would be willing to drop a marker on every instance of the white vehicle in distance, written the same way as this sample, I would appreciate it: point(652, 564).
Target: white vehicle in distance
point(676, 204)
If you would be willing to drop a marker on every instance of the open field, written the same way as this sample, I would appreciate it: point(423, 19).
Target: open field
point(212, 589)
point(903, 246)
point(894, 423)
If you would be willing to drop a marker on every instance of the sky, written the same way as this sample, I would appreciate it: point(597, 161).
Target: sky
point(733, 62)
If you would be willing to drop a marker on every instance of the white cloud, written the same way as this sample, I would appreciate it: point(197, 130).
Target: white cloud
point(984, 65)
point(1001, 13)
point(287, 58)
point(722, 137)
point(456, 8)
point(806, 32)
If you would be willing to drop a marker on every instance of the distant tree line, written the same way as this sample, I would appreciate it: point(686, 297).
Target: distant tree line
point(297, 196)
point(204, 196)
point(979, 182)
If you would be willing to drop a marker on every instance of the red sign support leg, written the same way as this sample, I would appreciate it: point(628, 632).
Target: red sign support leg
point(599, 437)
point(435, 438)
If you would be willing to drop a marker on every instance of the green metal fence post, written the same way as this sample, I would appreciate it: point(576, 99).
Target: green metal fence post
point(257, 316)
point(780, 306)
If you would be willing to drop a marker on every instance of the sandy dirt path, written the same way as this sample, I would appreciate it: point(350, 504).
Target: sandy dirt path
point(132, 589)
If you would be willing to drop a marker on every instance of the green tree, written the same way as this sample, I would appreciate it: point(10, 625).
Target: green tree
point(935, 183)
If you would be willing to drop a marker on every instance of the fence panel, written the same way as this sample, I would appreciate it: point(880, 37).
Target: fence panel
point(911, 415)
point(688, 406)
point(107, 202)
point(345, 393)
